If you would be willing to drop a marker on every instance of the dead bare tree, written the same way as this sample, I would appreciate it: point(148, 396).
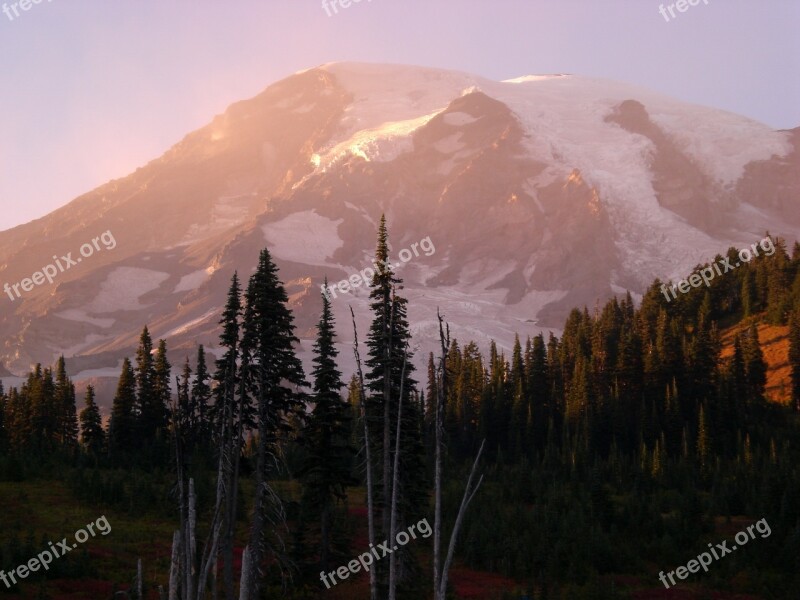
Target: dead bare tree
point(187, 581)
point(139, 579)
point(396, 485)
point(244, 583)
point(373, 577)
point(174, 566)
point(232, 482)
point(440, 576)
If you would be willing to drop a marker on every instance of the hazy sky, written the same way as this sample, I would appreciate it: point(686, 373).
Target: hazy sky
point(92, 89)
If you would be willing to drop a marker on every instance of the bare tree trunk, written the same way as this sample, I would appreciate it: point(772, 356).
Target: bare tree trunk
point(440, 577)
point(139, 579)
point(214, 573)
point(469, 493)
point(259, 504)
point(175, 566)
point(325, 535)
point(180, 550)
point(441, 390)
point(233, 493)
point(186, 580)
point(211, 547)
point(244, 589)
point(232, 487)
point(210, 557)
point(373, 576)
point(395, 486)
point(387, 419)
point(191, 549)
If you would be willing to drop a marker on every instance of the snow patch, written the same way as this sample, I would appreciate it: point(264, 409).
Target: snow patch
point(123, 287)
point(457, 119)
point(193, 280)
point(76, 314)
point(227, 212)
point(450, 144)
point(189, 325)
point(75, 349)
point(304, 237)
point(381, 144)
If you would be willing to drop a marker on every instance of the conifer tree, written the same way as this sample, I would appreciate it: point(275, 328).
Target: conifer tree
point(64, 404)
point(184, 416)
point(200, 396)
point(519, 403)
point(146, 412)
point(794, 357)
point(737, 374)
point(389, 371)
point(3, 408)
point(326, 469)
point(162, 395)
point(92, 434)
point(755, 367)
point(277, 376)
point(123, 421)
point(702, 439)
point(225, 420)
point(42, 418)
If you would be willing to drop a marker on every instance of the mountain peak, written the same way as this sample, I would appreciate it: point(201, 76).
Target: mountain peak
point(486, 170)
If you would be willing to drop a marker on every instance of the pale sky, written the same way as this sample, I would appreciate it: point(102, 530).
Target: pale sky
point(92, 89)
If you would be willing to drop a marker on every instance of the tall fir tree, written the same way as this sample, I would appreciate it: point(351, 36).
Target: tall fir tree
point(92, 434)
point(122, 424)
point(326, 470)
point(390, 373)
point(277, 380)
point(64, 403)
point(755, 367)
point(147, 413)
point(200, 397)
point(224, 420)
point(162, 375)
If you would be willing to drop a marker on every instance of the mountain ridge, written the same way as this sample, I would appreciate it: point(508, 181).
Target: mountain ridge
point(505, 177)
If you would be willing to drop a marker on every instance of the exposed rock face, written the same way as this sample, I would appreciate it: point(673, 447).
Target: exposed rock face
point(537, 195)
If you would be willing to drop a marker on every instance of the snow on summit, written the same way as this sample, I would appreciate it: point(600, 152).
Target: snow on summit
point(507, 179)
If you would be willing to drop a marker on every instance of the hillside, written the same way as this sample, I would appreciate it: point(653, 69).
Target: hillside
point(775, 345)
point(498, 183)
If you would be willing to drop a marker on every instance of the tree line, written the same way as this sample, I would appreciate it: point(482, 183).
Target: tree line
point(626, 401)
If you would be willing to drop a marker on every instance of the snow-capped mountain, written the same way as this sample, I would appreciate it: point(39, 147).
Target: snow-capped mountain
point(539, 194)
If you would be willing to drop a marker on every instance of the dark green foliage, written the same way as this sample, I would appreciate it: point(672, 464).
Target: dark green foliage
point(121, 426)
point(149, 414)
point(64, 405)
point(41, 417)
point(275, 379)
point(93, 437)
point(199, 400)
point(612, 449)
point(325, 472)
point(389, 380)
